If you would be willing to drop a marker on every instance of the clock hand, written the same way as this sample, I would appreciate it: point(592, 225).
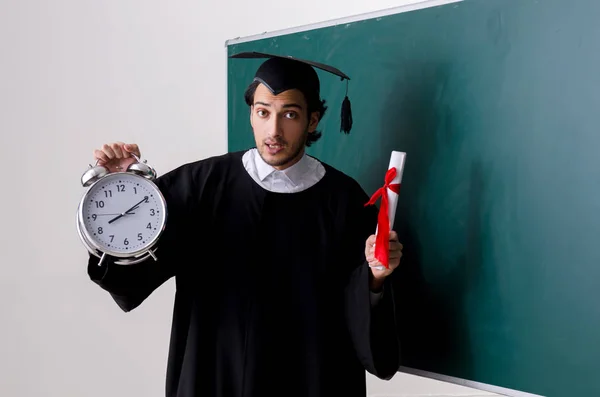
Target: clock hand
point(127, 212)
point(115, 218)
point(136, 205)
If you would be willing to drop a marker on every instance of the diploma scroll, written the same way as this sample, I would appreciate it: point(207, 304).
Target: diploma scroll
point(392, 187)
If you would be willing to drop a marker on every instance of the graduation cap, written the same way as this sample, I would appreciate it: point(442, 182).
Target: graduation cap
point(280, 73)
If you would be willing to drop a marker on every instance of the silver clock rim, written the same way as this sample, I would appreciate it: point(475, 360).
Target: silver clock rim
point(95, 248)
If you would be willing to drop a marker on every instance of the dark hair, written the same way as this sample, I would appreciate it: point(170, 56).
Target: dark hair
point(315, 104)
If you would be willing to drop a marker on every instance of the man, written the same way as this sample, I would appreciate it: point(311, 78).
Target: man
point(278, 290)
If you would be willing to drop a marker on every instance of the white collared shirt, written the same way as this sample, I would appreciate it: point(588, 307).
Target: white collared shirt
point(300, 176)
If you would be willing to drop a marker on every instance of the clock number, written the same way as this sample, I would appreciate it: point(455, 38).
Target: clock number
point(140, 237)
point(112, 237)
point(120, 188)
point(99, 204)
point(94, 216)
point(126, 242)
point(100, 231)
point(108, 193)
point(134, 190)
point(152, 212)
point(149, 226)
point(145, 199)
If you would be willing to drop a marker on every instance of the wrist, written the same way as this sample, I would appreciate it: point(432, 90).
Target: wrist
point(375, 284)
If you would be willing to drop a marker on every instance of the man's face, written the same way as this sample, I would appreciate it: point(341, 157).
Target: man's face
point(281, 126)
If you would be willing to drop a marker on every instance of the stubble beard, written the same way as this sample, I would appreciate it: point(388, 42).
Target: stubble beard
point(296, 152)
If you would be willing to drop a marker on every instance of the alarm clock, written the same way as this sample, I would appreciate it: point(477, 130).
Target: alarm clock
point(121, 214)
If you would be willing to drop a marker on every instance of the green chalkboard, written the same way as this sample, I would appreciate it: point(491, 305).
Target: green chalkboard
point(497, 104)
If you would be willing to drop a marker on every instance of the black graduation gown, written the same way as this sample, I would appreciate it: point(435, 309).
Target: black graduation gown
point(272, 289)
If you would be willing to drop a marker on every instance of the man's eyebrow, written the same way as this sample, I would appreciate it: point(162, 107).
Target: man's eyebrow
point(292, 105)
point(286, 106)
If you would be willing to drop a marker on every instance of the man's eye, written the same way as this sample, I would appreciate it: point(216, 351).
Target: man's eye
point(261, 113)
point(291, 115)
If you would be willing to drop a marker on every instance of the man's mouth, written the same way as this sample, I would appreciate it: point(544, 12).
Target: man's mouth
point(273, 148)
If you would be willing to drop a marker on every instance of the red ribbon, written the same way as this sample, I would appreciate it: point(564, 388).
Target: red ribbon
point(382, 242)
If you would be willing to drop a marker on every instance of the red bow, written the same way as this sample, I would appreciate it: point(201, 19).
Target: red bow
point(382, 243)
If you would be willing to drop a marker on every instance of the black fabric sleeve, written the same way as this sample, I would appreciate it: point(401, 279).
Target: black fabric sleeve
point(373, 328)
point(130, 285)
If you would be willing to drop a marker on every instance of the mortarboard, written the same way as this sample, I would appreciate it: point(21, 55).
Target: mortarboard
point(280, 73)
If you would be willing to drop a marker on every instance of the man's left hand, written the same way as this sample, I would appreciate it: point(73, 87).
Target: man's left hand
point(379, 271)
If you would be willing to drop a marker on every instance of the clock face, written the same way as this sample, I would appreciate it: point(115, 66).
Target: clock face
point(123, 214)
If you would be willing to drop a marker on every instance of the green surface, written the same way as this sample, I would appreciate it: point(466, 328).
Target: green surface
point(497, 104)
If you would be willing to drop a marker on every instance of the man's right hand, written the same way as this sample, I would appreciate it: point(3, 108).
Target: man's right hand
point(116, 156)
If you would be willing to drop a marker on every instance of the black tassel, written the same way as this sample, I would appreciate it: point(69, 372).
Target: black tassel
point(346, 113)
point(346, 116)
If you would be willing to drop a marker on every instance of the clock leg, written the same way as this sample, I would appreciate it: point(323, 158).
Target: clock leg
point(102, 259)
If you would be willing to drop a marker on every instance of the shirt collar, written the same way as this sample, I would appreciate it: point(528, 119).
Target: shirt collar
point(293, 173)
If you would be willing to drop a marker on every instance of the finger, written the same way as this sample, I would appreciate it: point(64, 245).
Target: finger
point(108, 151)
point(124, 151)
point(393, 236)
point(379, 268)
point(395, 255)
point(132, 148)
point(375, 263)
point(371, 240)
point(101, 156)
point(121, 148)
point(371, 250)
point(117, 149)
point(395, 245)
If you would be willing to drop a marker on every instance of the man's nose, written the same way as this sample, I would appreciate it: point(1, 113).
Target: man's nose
point(275, 127)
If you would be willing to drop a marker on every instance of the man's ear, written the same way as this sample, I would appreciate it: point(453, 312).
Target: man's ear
point(313, 122)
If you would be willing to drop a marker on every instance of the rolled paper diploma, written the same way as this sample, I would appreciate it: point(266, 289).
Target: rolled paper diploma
point(397, 161)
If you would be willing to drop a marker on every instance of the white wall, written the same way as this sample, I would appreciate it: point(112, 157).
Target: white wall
point(73, 75)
